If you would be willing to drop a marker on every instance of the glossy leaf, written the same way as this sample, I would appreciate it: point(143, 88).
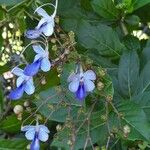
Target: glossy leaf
point(128, 73)
point(101, 38)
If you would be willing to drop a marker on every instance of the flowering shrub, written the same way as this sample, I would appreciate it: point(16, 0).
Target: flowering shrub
point(74, 74)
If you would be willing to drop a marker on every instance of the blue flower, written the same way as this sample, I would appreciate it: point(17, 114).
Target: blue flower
point(23, 84)
point(45, 26)
point(36, 134)
point(41, 61)
point(81, 82)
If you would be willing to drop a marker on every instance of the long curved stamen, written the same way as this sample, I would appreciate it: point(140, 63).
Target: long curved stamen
point(55, 11)
point(33, 42)
point(50, 4)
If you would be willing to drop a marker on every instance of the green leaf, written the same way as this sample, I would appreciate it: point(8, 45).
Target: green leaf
point(131, 113)
point(9, 3)
point(139, 3)
point(131, 43)
point(10, 124)
point(71, 19)
point(14, 144)
point(106, 9)
point(128, 73)
point(132, 20)
point(143, 100)
point(100, 61)
point(146, 53)
point(101, 38)
point(86, 4)
point(144, 79)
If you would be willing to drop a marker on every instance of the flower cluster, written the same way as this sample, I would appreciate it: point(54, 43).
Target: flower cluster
point(80, 82)
point(41, 61)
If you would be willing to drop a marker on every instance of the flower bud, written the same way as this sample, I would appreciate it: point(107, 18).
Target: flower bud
point(109, 98)
point(18, 109)
point(54, 48)
point(69, 142)
point(26, 104)
point(58, 127)
point(100, 86)
point(4, 35)
point(11, 25)
point(53, 40)
point(126, 129)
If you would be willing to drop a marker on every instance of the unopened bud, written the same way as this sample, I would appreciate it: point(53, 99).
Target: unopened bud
point(109, 98)
point(100, 86)
point(26, 104)
point(69, 142)
point(54, 48)
point(57, 20)
point(126, 129)
point(58, 127)
point(18, 109)
point(53, 40)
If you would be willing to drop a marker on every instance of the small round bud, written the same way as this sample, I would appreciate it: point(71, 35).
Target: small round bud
point(4, 35)
point(26, 104)
point(102, 72)
point(7, 50)
point(69, 142)
point(39, 117)
point(104, 117)
point(57, 20)
point(126, 129)
point(18, 33)
point(53, 40)
point(9, 34)
point(18, 109)
point(109, 98)
point(18, 53)
point(11, 25)
point(54, 48)
point(100, 86)
point(28, 147)
point(58, 127)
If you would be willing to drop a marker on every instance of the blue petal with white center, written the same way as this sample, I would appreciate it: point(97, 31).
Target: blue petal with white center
point(36, 134)
point(24, 83)
point(81, 82)
point(46, 24)
point(41, 61)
